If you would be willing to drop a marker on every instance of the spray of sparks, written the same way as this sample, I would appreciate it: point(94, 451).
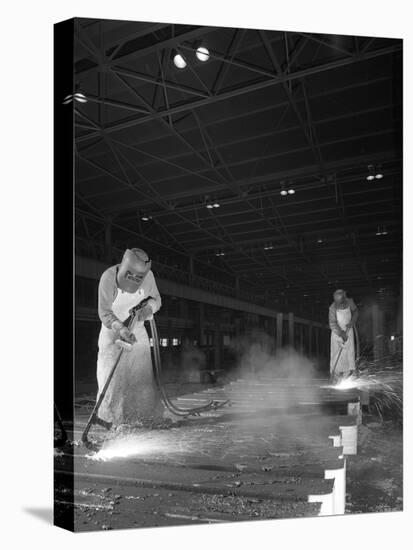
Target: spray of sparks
point(145, 444)
point(384, 381)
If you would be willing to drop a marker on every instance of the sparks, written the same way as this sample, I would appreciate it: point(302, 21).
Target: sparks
point(385, 380)
point(136, 445)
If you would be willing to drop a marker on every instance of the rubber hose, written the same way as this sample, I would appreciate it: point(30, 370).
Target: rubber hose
point(158, 379)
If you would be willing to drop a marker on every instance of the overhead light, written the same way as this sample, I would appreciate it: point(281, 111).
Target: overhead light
point(202, 53)
point(146, 217)
point(80, 97)
point(392, 337)
point(220, 253)
point(211, 203)
point(291, 191)
point(375, 172)
point(371, 174)
point(379, 173)
point(268, 246)
point(381, 231)
point(283, 191)
point(320, 240)
point(179, 61)
point(77, 96)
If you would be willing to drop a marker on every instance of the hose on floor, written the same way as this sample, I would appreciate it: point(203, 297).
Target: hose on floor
point(157, 369)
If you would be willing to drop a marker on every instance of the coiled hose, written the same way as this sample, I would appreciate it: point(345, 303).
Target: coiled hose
point(157, 369)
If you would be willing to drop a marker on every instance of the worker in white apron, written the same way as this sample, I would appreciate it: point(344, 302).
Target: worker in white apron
point(343, 314)
point(132, 396)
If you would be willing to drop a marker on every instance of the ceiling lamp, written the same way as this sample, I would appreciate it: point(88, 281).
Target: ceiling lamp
point(283, 191)
point(372, 174)
point(291, 191)
point(202, 53)
point(268, 246)
point(379, 173)
point(179, 61)
point(146, 217)
point(210, 204)
point(320, 240)
point(220, 253)
point(77, 96)
point(375, 172)
point(381, 231)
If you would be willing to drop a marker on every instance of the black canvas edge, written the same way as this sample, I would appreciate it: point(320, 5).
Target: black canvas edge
point(63, 248)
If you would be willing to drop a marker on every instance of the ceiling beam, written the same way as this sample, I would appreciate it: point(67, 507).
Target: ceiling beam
point(191, 33)
point(267, 108)
point(239, 183)
point(247, 88)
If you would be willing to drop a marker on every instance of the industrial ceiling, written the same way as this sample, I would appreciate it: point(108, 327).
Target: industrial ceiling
point(190, 163)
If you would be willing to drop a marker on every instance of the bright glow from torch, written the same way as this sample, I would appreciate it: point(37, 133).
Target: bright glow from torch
point(346, 384)
point(154, 444)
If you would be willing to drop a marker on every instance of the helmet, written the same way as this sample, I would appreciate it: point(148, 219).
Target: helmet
point(132, 270)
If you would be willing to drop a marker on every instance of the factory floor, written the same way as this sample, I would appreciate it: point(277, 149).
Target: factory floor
point(282, 449)
point(375, 474)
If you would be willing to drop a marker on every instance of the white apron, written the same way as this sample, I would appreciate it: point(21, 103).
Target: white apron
point(132, 395)
point(347, 363)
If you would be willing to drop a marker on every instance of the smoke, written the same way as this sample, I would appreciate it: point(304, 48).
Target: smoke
point(274, 397)
point(183, 364)
point(257, 357)
point(277, 390)
point(192, 362)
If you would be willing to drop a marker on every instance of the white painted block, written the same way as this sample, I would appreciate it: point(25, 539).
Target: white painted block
point(339, 492)
point(327, 503)
point(336, 440)
point(349, 439)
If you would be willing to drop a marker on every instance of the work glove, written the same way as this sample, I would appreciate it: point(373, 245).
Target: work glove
point(123, 332)
point(145, 313)
point(350, 324)
point(344, 336)
point(127, 335)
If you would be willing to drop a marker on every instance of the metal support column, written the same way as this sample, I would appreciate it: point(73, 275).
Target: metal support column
point(310, 339)
point(201, 330)
point(279, 337)
point(317, 341)
point(217, 347)
point(291, 329)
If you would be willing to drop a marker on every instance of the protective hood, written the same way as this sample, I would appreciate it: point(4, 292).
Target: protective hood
point(131, 272)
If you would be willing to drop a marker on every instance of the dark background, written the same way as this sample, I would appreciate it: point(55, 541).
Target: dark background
point(268, 109)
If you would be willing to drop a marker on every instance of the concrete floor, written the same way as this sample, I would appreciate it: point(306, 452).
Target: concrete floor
point(282, 449)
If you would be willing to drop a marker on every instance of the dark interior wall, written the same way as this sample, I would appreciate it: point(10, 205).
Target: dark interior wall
point(193, 335)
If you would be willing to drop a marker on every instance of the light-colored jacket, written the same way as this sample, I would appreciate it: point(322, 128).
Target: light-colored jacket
point(332, 315)
point(108, 291)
